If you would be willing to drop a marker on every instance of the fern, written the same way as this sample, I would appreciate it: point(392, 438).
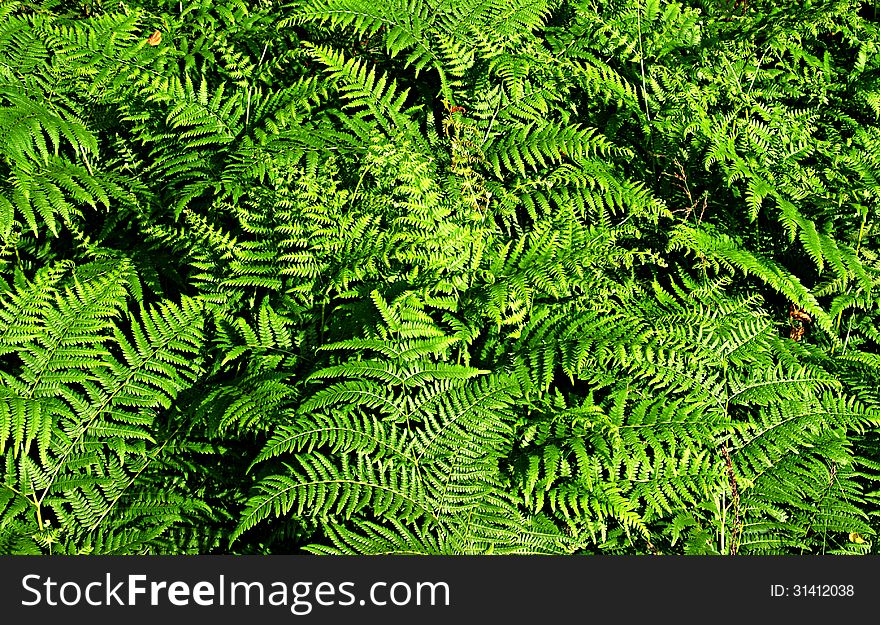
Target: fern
point(471, 276)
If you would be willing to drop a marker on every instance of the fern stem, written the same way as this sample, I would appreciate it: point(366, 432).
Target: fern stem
point(492, 121)
point(757, 70)
point(39, 512)
point(734, 500)
point(27, 499)
point(105, 404)
point(858, 249)
point(86, 160)
point(642, 62)
point(153, 457)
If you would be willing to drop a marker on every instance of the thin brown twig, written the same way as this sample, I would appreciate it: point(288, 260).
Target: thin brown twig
point(734, 500)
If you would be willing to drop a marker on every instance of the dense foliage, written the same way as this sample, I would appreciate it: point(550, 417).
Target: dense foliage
point(446, 276)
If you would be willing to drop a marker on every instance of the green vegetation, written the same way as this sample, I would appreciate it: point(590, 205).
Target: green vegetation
point(444, 277)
